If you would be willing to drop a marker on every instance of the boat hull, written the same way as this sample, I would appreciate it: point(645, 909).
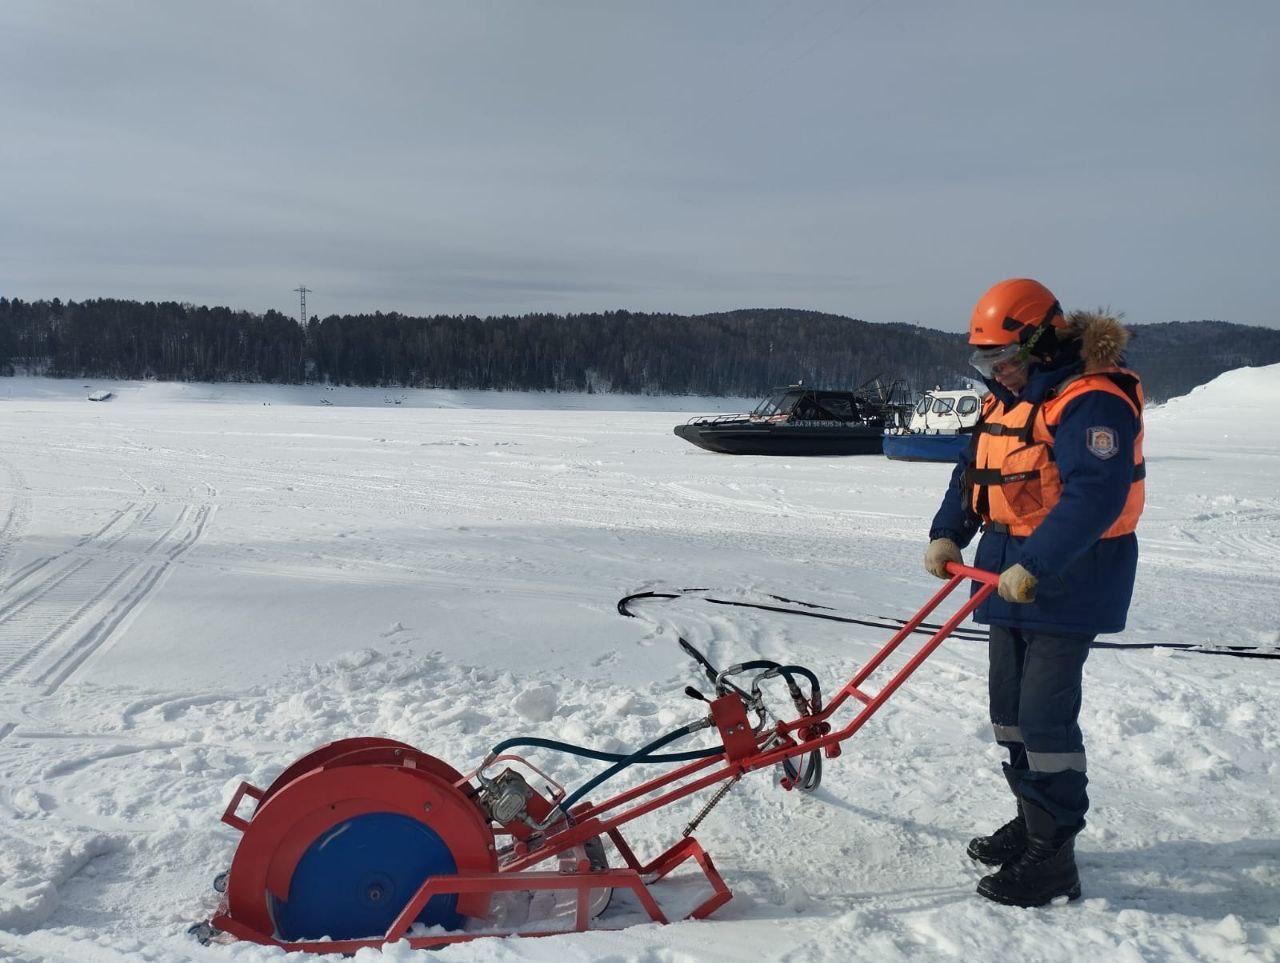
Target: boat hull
point(939, 447)
point(746, 438)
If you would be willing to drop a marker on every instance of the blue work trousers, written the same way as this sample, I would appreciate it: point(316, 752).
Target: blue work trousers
point(1034, 688)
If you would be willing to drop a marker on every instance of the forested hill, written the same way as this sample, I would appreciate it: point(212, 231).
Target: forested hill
point(732, 353)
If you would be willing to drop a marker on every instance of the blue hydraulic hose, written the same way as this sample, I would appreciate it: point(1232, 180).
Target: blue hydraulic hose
point(641, 755)
point(644, 755)
point(598, 753)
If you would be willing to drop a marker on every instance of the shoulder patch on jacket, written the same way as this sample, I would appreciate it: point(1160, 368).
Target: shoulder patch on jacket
point(1101, 441)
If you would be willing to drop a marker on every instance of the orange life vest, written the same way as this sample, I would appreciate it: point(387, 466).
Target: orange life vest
point(1014, 481)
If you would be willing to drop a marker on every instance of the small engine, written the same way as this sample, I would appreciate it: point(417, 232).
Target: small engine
point(506, 797)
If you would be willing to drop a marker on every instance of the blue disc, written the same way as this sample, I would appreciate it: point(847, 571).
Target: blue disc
point(353, 881)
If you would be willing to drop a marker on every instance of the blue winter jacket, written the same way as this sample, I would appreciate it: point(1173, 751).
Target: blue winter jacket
point(1085, 582)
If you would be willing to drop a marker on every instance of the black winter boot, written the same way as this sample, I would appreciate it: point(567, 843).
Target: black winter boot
point(1045, 871)
point(1006, 843)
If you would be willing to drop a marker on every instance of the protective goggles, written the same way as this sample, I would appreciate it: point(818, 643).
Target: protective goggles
point(1000, 358)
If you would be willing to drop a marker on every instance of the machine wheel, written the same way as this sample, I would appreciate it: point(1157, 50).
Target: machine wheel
point(353, 881)
point(339, 852)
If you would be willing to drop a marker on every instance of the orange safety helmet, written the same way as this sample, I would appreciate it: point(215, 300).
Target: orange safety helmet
point(1013, 312)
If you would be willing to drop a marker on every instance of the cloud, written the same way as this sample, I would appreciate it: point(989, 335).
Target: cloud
point(879, 160)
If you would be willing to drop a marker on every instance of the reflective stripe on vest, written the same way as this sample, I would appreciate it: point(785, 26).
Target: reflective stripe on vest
point(1014, 479)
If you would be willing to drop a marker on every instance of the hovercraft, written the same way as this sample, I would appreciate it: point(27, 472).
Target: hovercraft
point(799, 420)
point(940, 428)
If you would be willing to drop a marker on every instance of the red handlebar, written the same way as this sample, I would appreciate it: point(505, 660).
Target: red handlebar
point(977, 574)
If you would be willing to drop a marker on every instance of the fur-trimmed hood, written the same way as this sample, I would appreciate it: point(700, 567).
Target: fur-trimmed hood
point(1102, 338)
point(1091, 341)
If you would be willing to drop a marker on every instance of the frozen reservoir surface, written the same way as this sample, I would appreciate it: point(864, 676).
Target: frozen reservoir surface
point(202, 582)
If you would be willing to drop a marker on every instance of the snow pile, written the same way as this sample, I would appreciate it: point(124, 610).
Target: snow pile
point(1237, 408)
point(1250, 392)
point(30, 877)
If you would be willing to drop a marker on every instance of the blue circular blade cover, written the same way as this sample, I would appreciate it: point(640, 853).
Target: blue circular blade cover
point(354, 880)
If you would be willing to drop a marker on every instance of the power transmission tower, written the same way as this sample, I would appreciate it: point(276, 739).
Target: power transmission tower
point(302, 290)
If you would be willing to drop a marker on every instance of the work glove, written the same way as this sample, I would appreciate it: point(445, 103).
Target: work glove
point(938, 554)
point(1017, 585)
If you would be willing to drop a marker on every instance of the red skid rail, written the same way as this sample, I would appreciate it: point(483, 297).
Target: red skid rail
point(581, 882)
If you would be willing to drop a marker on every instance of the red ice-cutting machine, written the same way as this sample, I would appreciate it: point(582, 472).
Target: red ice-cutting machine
point(368, 841)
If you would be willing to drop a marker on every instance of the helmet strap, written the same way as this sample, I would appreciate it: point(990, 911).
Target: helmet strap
point(1025, 351)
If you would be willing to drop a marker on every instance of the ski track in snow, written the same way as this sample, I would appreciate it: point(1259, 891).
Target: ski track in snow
point(197, 588)
point(60, 609)
point(16, 511)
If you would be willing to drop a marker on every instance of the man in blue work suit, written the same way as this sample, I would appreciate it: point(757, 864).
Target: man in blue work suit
point(1054, 479)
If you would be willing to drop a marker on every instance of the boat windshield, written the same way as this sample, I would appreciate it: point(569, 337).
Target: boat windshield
point(779, 404)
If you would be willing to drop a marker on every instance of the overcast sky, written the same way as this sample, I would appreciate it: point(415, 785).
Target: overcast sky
point(884, 159)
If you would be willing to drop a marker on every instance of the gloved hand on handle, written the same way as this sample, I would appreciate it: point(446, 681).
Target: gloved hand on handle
point(938, 554)
point(1017, 584)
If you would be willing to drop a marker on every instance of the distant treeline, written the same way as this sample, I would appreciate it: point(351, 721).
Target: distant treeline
point(732, 353)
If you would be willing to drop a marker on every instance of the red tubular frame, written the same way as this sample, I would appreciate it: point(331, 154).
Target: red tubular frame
point(798, 737)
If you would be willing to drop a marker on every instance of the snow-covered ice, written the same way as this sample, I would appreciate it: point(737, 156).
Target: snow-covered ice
point(201, 582)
